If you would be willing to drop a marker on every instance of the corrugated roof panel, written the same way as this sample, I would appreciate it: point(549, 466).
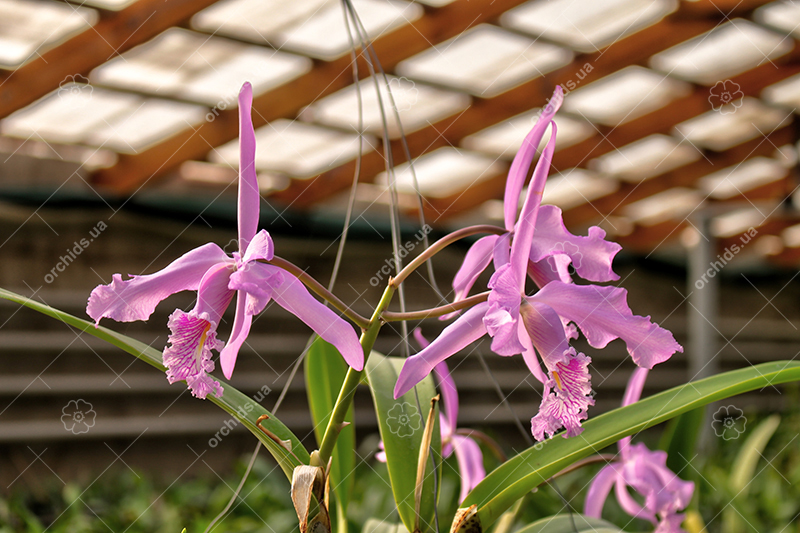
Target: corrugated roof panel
point(417, 104)
point(645, 158)
point(737, 222)
point(624, 95)
point(738, 179)
point(785, 93)
point(586, 25)
point(577, 186)
point(485, 61)
point(295, 148)
point(444, 172)
point(28, 29)
point(672, 204)
point(504, 139)
point(783, 16)
point(200, 68)
point(724, 52)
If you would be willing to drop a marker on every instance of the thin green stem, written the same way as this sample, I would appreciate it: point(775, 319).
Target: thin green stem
point(389, 316)
point(320, 290)
point(352, 379)
point(439, 245)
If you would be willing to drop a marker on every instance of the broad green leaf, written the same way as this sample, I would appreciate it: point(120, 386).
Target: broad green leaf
point(743, 470)
point(232, 401)
point(401, 423)
point(325, 371)
point(379, 526)
point(574, 523)
point(680, 439)
point(529, 469)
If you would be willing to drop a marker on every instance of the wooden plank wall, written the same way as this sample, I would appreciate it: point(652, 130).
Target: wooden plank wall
point(160, 428)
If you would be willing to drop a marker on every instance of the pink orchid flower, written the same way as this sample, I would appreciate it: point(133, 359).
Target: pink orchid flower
point(217, 278)
point(646, 472)
point(541, 248)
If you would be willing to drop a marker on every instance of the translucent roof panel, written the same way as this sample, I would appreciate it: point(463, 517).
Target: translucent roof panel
point(444, 172)
point(624, 95)
point(200, 68)
point(81, 114)
point(297, 26)
point(737, 222)
point(725, 51)
point(504, 139)
point(673, 204)
point(108, 5)
point(575, 187)
point(295, 148)
point(418, 105)
point(645, 158)
point(785, 93)
point(733, 124)
point(586, 25)
point(435, 3)
point(28, 29)
point(738, 179)
point(783, 16)
point(484, 61)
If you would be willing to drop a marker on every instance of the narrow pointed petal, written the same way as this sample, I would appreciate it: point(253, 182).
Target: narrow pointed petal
point(524, 229)
point(546, 331)
point(261, 247)
point(633, 391)
point(259, 281)
point(136, 298)
point(239, 333)
point(591, 256)
point(502, 251)
point(599, 490)
point(522, 161)
point(602, 314)
point(188, 356)
point(475, 262)
point(502, 316)
point(470, 464)
point(529, 354)
point(629, 504)
point(449, 397)
point(213, 294)
point(292, 295)
point(464, 331)
point(249, 195)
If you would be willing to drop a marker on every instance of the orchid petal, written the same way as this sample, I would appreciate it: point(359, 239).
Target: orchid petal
point(464, 331)
point(470, 464)
point(553, 268)
point(602, 314)
point(241, 328)
point(475, 262)
point(502, 316)
point(136, 298)
point(261, 247)
point(213, 294)
point(566, 399)
point(522, 161)
point(524, 229)
point(529, 354)
point(502, 251)
point(188, 356)
point(259, 281)
point(633, 391)
point(249, 195)
point(591, 256)
point(599, 490)
point(546, 331)
point(288, 292)
point(449, 397)
point(629, 504)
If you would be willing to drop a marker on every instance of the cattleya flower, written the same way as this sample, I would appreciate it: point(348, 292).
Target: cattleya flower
point(538, 245)
point(646, 473)
point(468, 453)
point(217, 278)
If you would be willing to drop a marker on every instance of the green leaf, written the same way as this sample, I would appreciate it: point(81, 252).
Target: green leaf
point(507, 483)
point(401, 423)
point(743, 470)
point(680, 439)
point(325, 371)
point(239, 405)
point(574, 523)
point(379, 526)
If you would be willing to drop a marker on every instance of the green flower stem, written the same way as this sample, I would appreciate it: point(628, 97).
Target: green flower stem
point(389, 316)
point(352, 379)
point(439, 245)
point(321, 291)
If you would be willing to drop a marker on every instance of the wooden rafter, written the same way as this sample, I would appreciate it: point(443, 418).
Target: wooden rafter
point(116, 32)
